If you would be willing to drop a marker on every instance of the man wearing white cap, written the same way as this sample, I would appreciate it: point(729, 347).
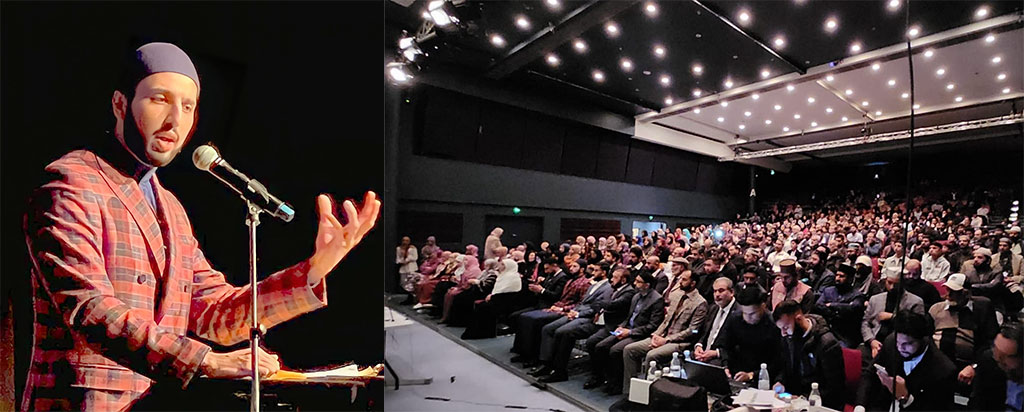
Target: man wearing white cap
point(965, 326)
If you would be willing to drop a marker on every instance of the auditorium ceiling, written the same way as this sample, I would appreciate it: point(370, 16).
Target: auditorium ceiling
point(744, 76)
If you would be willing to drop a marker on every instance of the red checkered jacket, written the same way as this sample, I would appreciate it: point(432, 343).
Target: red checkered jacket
point(117, 289)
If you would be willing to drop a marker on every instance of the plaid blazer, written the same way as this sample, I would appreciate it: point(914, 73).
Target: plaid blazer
point(117, 287)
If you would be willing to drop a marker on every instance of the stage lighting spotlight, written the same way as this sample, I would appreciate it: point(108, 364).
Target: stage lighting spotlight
point(409, 48)
point(442, 13)
point(399, 72)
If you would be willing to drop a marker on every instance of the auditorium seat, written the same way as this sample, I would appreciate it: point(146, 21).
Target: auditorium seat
point(851, 364)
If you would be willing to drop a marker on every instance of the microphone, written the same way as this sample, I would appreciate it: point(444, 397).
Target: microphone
point(207, 158)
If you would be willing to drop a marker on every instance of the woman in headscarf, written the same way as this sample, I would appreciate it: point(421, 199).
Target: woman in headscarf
point(499, 303)
point(429, 282)
point(492, 243)
point(461, 307)
point(431, 246)
point(448, 282)
point(470, 271)
point(405, 258)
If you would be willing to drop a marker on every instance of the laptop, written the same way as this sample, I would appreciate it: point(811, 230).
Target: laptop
point(711, 377)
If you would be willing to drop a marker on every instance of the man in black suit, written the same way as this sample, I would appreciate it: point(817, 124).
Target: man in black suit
point(547, 292)
point(910, 368)
point(965, 326)
point(999, 383)
point(913, 283)
point(706, 349)
point(647, 310)
point(597, 295)
point(653, 265)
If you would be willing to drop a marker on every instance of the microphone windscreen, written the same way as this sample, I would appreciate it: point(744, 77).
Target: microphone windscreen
point(204, 157)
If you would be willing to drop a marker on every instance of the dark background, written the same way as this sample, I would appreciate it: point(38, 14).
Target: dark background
point(291, 94)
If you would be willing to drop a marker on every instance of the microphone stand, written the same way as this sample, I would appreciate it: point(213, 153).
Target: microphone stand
point(256, 329)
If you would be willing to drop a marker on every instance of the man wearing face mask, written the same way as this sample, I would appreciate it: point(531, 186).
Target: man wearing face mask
point(878, 316)
point(863, 279)
point(843, 306)
point(965, 326)
point(119, 279)
point(810, 353)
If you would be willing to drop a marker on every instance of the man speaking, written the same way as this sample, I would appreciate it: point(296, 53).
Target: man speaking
point(118, 276)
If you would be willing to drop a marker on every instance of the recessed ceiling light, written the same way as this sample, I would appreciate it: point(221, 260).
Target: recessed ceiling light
point(747, 114)
point(828, 110)
point(724, 104)
point(917, 106)
point(894, 4)
point(810, 100)
point(959, 99)
point(892, 82)
point(579, 45)
point(721, 119)
point(741, 141)
point(981, 12)
point(1001, 76)
point(744, 16)
point(552, 59)
point(598, 76)
point(755, 96)
point(845, 119)
point(659, 50)
point(796, 116)
point(626, 64)
point(697, 92)
point(728, 83)
point(855, 47)
point(990, 38)
point(522, 23)
point(698, 69)
point(950, 86)
point(829, 78)
point(768, 121)
point(612, 29)
point(878, 112)
point(941, 71)
point(668, 101)
point(814, 124)
point(997, 59)
point(765, 73)
point(785, 128)
point(497, 40)
point(779, 42)
point(778, 107)
point(831, 24)
point(904, 95)
point(651, 9)
point(913, 32)
point(929, 53)
point(864, 103)
point(553, 4)
point(742, 127)
point(697, 110)
point(849, 92)
point(665, 80)
point(790, 87)
point(876, 66)
point(1006, 90)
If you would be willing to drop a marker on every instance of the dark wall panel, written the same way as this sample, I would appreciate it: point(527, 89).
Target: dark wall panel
point(450, 126)
point(572, 227)
point(641, 162)
point(445, 227)
point(612, 157)
point(542, 147)
point(579, 153)
point(501, 135)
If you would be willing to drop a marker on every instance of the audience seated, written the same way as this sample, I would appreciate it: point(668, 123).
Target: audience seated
point(724, 305)
point(843, 307)
point(810, 354)
point(528, 332)
point(749, 338)
point(878, 316)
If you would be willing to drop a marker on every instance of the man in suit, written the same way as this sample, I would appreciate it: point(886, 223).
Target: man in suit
point(606, 318)
point(118, 277)
point(999, 384)
point(546, 292)
point(661, 278)
point(647, 309)
point(676, 333)
point(965, 326)
point(599, 292)
point(706, 349)
point(749, 338)
point(528, 334)
point(878, 316)
point(910, 369)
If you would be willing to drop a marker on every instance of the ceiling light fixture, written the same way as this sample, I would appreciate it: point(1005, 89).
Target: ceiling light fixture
point(1006, 90)
point(846, 119)
point(778, 107)
point(894, 5)
point(849, 92)
point(765, 73)
point(785, 128)
point(668, 102)
point(913, 32)
point(744, 16)
point(742, 127)
point(940, 72)
point(917, 106)
point(828, 110)
point(829, 78)
point(697, 110)
point(728, 83)
point(779, 42)
point(876, 66)
point(552, 59)
point(950, 86)
point(1001, 76)
point(399, 72)
point(892, 82)
point(554, 4)
point(724, 104)
point(755, 96)
point(831, 24)
point(997, 59)
point(747, 114)
point(768, 121)
point(497, 40)
point(665, 80)
point(612, 29)
point(522, 23)
point(626, 64)
point(990, 38)
point(696, 92)
point(929, 53)
point(651, 9)
point(790, 87)
point(814, 124)
point(981, 13)
point(904, 95)
point(864, 103)
point(855, 47)
point(796, 116)
point(698, 69)
point(810, 100)
point(598, 76)
point(579, 45)
point(721, 119)
point(659, 51)
point(959, 99)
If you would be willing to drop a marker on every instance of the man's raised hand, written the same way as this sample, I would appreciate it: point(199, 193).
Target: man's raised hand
point(333, 239)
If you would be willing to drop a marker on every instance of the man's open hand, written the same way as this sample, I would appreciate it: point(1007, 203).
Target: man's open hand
point(333, 239)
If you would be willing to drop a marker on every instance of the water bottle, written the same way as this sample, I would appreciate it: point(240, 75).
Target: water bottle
point(675, 367)
point(858, 408)
point(657, 374)
point(763, 379)
point(665, 372)
point(682, 371)
point(651, 370)
point(815, 397)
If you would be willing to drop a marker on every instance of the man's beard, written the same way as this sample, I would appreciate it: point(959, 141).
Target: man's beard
point(844, 287)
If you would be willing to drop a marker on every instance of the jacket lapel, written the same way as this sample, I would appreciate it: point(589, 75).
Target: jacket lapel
point(128, 192)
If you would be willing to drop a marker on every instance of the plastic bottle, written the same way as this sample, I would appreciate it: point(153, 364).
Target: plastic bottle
point(763, 379)
point(675, 366)
point(858, 408)
point(657, 374)
point(665, 372)
point(686, 355)
point(651, 370)
point(815, 397)
point(682, 370)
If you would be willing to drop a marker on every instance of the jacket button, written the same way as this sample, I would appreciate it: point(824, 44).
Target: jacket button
point(142, 279)
point(184, 288)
